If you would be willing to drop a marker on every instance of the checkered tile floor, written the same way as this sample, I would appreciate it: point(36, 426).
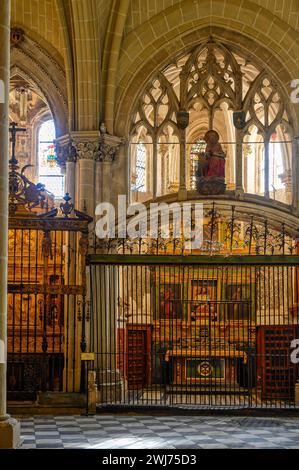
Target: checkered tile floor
point(159, 432)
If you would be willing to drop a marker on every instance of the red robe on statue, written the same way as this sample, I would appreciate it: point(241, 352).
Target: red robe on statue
point(216, 160)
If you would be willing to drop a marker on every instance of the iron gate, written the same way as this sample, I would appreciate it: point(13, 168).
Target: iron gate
point(207, 331)
point(46, 305)
point(46, 315)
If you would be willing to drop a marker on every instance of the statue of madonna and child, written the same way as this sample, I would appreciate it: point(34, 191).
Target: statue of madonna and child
point(210, 173)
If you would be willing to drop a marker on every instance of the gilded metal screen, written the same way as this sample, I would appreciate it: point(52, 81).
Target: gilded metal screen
point(46, 304)
point(195, 330)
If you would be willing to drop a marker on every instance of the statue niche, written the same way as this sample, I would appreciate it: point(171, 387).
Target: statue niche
point(210, 173)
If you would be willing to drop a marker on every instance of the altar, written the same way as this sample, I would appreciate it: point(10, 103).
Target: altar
point(190, 365)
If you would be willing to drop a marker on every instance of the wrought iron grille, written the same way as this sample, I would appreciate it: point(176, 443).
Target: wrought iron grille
point(47, 250)
point(195, 330)
point(46, 303)
point(227, 229)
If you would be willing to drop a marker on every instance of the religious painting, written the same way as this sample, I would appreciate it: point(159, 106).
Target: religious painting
point(240, 301)
point(170, 301)
point(203, 297)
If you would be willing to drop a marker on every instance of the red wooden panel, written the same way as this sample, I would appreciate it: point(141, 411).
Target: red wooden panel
point(275, 369)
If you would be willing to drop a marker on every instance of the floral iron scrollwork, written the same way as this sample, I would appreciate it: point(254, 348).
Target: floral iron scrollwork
point(67, 206)
point(23, 194)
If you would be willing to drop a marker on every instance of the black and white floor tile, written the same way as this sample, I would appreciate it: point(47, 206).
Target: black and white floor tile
point(159, 432)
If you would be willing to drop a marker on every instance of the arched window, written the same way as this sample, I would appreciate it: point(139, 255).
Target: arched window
point(212, 82)
point(49, 173)
point(139, 180)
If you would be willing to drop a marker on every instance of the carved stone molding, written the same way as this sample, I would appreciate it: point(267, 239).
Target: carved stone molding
point(88, 146)
point(16, 36)
point(108, 148)
point(66, 151)
point(86, 150)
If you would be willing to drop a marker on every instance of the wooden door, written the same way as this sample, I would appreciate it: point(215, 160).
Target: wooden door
point(138, 356)
point(278, 374)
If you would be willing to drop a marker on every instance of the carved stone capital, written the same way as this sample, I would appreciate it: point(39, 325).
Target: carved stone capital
point(108, 148)
point(86, 150)
point(89, 146)
point(66, 151)
point(163, 149)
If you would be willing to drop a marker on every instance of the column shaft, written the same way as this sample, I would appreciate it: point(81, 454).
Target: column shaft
point(70, 179)
point(295, 174)
point(239, 162)
point(86, 186)
point(9, 428)
point(266, 166)
point(183, 182)
point(4, 77)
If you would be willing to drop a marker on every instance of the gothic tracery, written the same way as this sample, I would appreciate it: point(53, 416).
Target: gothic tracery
point(211, 83)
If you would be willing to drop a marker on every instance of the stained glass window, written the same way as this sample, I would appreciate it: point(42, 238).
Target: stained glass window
point(139, 183)
point(276, 167)
point(49, 171)
point(196, 150)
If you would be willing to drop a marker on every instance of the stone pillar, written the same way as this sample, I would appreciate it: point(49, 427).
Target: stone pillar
point(106, 159)
point(163, 149)
point(155, 172)
point(9, 427)
point(295, 174)
point(239, 163)
point(86, 186)
point(98, 183)
point(266, 168)
point(92, 393)
point(183, 122)
point(66, 157)
point(70, 178)
point(110, 384)
point(287, 180)
point(106, 180)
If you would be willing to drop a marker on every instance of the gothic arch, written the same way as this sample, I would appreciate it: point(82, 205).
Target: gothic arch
point(130, 84)
point(211, 81)
point(38, 67)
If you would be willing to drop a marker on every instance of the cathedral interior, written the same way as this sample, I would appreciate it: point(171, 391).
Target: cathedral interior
point(181, 102)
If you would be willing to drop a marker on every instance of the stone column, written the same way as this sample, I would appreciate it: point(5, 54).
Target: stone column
point(163, 149)
point(106, 159)
point(239, 163)
point(66, 157)
point(9, 427)
point(86, 186)
point(295, 174)
point(287, 180)
point(70, 178)
point(95, 154)
point(183, 122)
point(266, 167)
point(86, 144)
point(106, 289)
point(155, 158)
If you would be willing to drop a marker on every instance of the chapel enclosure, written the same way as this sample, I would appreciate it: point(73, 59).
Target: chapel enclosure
point(47, 313)
point(204, 331)
point(210, 326)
